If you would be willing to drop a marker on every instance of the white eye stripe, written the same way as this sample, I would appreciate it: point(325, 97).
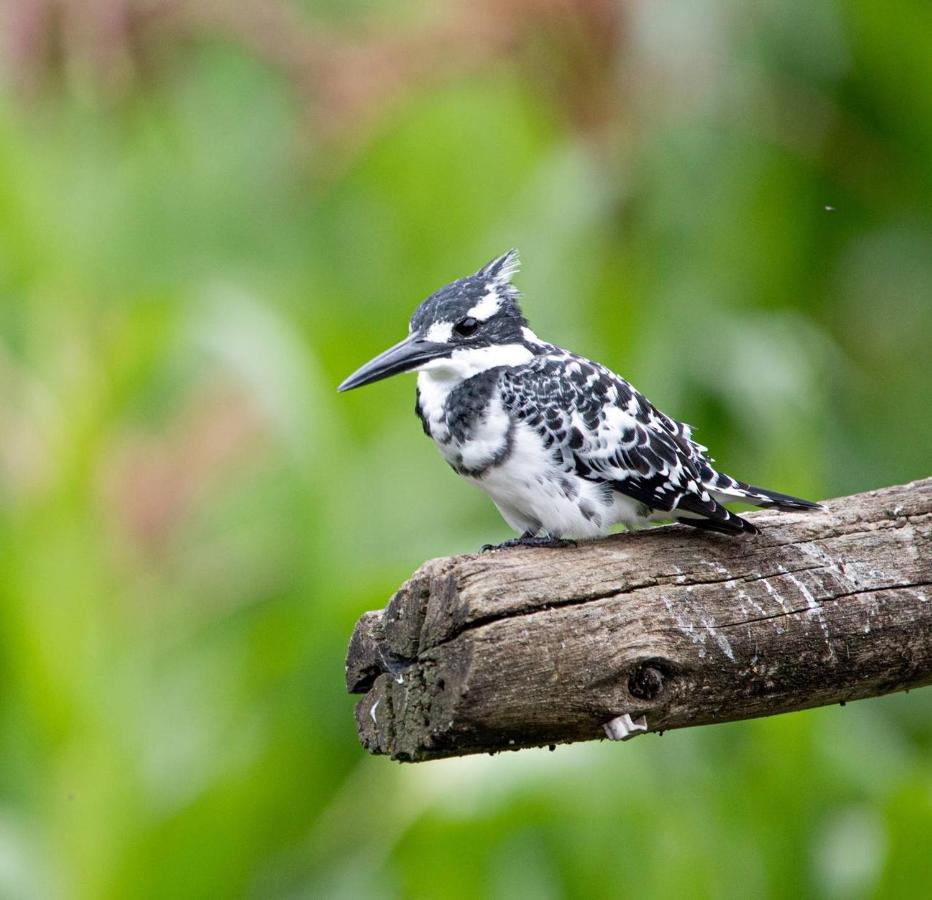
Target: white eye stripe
point(487, 307)
point(440, 332)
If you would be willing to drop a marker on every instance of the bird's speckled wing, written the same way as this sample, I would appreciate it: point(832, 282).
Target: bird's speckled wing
point(600, 428)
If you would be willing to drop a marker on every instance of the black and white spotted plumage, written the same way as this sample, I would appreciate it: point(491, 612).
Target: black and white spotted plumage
point(598, 428)
point(562, 445)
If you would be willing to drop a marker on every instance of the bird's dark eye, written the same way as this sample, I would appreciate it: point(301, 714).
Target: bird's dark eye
point(466, 327)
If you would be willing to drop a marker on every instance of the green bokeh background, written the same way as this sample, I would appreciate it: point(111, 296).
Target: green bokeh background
point(200, 236)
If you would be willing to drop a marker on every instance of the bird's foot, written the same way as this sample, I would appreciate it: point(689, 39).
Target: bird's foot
point(529, 540)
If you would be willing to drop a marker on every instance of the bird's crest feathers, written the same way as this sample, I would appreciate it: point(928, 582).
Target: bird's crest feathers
point(502, 269)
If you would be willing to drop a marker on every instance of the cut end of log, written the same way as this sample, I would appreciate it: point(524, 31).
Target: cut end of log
point(535, 647)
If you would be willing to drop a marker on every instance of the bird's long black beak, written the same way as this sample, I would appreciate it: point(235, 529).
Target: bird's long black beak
point(403, 357)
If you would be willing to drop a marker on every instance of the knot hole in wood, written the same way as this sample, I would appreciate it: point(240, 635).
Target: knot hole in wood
point(648, 680)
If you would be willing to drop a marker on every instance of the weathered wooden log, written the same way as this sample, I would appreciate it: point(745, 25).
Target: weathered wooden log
point(659, 629)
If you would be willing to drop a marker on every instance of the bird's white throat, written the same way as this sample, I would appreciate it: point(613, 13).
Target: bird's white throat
point(465, 362)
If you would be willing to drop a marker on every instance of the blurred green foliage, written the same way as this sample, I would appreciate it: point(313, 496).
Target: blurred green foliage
point(731, 204)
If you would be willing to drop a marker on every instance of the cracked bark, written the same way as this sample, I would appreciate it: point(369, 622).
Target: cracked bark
point(665, 628)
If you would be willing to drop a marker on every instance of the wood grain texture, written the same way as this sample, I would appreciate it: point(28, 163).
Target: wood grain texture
point(527, 647)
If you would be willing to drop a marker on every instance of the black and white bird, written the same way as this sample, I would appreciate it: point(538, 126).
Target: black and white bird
point(563, 446)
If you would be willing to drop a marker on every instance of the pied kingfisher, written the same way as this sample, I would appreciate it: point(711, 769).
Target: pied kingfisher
point(563, 446)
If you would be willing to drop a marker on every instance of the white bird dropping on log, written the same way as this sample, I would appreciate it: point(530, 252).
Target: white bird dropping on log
point(623, 728)
point(563, 446)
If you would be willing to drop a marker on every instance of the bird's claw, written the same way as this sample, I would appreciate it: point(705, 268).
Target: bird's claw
point(529, 540)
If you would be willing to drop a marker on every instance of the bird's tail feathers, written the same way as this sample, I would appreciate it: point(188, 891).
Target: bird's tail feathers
point(711, 516)
point(734, 524)
point(725, 489)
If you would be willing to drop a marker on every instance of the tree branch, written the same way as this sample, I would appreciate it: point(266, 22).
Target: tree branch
point(658, 629)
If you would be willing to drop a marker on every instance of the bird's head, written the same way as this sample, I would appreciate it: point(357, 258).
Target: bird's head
point(474, 323)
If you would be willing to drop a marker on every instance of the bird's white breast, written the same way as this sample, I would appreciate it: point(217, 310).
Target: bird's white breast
point(534, 494)
point(489, 433)
point(530, 489)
